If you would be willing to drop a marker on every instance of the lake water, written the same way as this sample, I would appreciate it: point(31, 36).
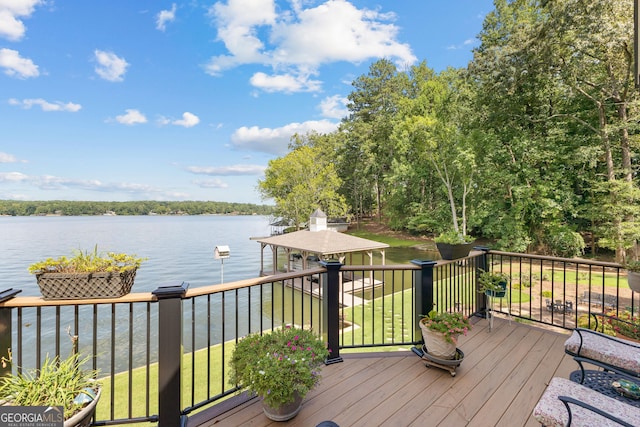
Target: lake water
point(178, 248)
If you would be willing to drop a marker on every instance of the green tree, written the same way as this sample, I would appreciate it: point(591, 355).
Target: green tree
point(368, 152)
point(590, 47)
point(430, 134)
point(304, 180)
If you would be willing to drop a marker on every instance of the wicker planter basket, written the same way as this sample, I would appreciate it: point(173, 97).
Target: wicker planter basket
point(85, 285)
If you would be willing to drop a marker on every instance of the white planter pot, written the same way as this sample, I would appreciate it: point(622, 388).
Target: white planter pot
point(633, 278)
point(85, 416)
point(436, 344)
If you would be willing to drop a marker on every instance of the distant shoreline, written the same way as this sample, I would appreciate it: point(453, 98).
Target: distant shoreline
point(142, 207)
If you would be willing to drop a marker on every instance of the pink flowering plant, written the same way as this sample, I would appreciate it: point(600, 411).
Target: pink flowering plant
point(280, 365)
point(623, 323)
point(451, 325)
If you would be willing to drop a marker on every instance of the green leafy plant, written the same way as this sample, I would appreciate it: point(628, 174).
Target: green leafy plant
point(488, 281)
point(633, 266)
point(613, 323)
point(623, 323)
point(453, 237)
point(451, 325)
point(57, 383)
point(279, 365)
point(88, 262)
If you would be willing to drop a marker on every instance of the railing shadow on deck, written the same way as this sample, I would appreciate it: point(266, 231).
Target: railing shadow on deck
point(163, 356)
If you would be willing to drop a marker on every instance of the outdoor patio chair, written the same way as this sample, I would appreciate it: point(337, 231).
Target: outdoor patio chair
point(605, 351)
point(566, 403)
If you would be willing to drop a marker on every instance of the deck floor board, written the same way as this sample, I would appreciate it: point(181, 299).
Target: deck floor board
point(503, 374)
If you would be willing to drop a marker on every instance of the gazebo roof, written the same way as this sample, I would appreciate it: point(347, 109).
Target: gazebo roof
point(324, 242)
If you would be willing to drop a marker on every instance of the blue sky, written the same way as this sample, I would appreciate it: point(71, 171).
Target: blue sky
point(120, 100)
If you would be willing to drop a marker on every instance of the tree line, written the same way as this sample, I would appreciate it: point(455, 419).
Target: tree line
point(75, 208)
point(534, 144)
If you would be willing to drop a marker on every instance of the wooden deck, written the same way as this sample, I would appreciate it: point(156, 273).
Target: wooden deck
point(500, 380)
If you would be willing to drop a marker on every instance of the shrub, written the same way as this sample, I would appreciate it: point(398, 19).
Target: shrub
point(564, 242)
point(279, 364)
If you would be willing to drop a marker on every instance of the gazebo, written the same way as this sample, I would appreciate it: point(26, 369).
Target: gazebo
point(318, 241)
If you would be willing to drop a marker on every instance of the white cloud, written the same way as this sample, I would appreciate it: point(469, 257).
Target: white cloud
point(285, 83)
point(165, 16)
point(188, 120)
point(131, 117)
point(211, 183)
point(51, 182)
point(463, 45)
point(57, 183)
point(13, 177)
point(238, 22)
point(7, 158)
point(276, 140)
point(11, 14)
point(334, 107)
point(47, 106)
point(110, 67)
point(16, 66)
point(296, 42)
point(233, 170)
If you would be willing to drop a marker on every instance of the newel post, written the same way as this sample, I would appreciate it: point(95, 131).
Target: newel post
point(423, 279)
point(5, 331)
point(331, 309)
point(170, 352)
point(481, 266)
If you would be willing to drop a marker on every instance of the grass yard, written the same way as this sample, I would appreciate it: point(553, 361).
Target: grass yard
point(382, 320)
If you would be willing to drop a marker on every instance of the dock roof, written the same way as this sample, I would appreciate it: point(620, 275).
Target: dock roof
point(323, 242)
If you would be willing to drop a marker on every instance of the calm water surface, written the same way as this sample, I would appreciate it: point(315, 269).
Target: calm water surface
point(178, 248)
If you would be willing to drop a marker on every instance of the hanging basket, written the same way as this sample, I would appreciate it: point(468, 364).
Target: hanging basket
point(85, 285)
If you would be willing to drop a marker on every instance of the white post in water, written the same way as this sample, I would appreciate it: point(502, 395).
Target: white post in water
point(221, 253)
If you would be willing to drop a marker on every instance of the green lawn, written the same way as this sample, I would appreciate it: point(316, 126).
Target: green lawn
point(381, 320)
point(394, 242)
point(204, 386)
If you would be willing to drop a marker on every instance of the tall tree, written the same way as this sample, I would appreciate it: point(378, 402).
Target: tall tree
point(372, 107)
point(430, 135)
point(590, 45)
point(304, 180)
point(527, 163)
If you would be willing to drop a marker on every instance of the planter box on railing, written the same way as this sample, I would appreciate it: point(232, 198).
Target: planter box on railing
point(85, 285)
point(451, 252)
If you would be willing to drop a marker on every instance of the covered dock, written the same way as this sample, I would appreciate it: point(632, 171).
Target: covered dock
point(318, 243)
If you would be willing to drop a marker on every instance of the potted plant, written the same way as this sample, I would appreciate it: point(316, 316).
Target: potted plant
point(281, 367)
point(621, 324)
point(440, 332)
point(633, 275)
point(58, 383)
point(86, 275)
point(453, 245)
point(493, 284)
